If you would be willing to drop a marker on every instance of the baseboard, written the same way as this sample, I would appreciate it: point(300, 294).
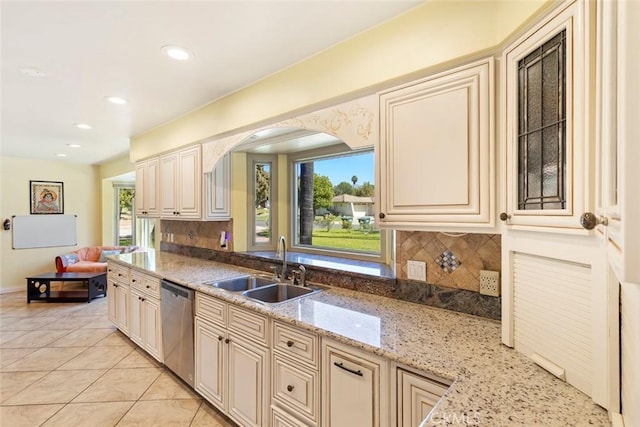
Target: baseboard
point(616, 420)
point(11, 290)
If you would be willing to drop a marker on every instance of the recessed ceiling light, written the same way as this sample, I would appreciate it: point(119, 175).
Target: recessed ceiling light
point(117, 100)
point(82, 126)
point(61, 155)
point(34, 72)
point(176, 52)
point(73, 145)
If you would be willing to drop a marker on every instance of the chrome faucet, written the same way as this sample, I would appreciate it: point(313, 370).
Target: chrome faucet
point(282, 242)
point(300, 276)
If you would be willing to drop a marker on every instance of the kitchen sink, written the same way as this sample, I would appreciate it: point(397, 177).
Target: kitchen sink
point(243, 283)
point(278, 292)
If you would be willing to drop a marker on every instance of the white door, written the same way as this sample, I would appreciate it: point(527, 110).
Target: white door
point(618, 203)
point(554, 271)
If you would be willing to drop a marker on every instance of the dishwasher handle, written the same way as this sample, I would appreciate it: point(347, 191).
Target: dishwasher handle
point(178, 290)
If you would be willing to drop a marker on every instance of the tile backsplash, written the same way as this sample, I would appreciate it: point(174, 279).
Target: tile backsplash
point(452, 262)
point(199, 234)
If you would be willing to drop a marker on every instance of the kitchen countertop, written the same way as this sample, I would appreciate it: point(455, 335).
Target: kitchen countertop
point(492, 385)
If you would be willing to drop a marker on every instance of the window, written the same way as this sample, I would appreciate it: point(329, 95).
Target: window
point(262, 218)
point(542, 127)
point(333, 205)
point(125, 220)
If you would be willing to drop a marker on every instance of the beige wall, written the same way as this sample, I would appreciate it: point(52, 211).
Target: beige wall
point(108, 173)
point(430, 35)
point(81, 197)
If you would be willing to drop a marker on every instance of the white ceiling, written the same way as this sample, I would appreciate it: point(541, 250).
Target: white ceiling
point(96, 49)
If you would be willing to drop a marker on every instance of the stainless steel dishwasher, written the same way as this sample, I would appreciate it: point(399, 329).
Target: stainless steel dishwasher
point(177, 330)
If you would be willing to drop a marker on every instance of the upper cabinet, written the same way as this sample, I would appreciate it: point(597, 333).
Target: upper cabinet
point(217, 188)
point(147, 189)
point(181, 184)
point(547, 136)
point(436, 152)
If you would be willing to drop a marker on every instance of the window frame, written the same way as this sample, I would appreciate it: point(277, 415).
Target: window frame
point(292, 198)
point(117, 187)
point(252, 160)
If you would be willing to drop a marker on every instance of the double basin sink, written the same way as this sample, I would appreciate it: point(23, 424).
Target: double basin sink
point(264, 289)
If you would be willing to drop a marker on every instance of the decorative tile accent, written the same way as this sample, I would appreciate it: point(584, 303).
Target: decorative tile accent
point(448, 262)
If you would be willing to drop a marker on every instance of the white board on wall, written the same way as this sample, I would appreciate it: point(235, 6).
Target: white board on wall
point(44, 231)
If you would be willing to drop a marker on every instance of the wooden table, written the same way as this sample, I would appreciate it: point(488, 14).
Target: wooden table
point(39, 287)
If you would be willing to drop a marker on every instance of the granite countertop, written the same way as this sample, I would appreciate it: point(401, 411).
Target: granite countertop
point(492, 385)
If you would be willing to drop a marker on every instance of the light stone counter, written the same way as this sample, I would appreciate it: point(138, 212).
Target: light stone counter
point(493, 385)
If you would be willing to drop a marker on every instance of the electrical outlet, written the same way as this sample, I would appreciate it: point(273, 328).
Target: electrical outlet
point(417, 270)
point(490, 283)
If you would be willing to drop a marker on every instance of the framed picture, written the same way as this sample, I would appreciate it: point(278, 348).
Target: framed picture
point(47, 197)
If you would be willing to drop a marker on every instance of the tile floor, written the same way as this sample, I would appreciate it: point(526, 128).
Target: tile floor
point(65, 364)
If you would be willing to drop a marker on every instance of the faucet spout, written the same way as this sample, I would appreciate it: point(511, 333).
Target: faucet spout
point(282, 243)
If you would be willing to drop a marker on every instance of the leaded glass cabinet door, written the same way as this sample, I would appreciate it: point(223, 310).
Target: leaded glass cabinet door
point(547, 131)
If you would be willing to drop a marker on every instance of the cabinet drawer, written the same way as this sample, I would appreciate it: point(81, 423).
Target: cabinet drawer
point(118, 273)
point(150, 285)
point(211, 309)
point(249, 324)
point(295, 343)
point(295, 388)
point(280, 418)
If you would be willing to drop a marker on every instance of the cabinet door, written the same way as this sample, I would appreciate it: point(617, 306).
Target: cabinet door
point(189, 183)
point(141, 168)
point(218, 187)
point(152, 327)
point(151, 188)
point(436, 151)
point(416, 396)
point(136, 316)
point(248, 398)
point(122, 308)
point(353, 388)
point(168, 178)
point(211, 362)
point(112, 300)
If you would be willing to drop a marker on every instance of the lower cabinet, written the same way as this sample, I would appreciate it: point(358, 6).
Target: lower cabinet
point(133, 300)
point(295, 376)
point(355, 387)
point(145, 327)
point(118, 296)
point(416, 396)
point(232, 360)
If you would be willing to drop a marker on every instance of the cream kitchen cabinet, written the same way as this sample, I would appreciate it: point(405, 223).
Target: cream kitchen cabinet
point(217, 191)
point(147, 189)
point(295, 376)
point(355, 390)
point(145, 320)
point(181, 184)
point(118, 296)
point(232, 360)
point(416, 396)
point(435, 156)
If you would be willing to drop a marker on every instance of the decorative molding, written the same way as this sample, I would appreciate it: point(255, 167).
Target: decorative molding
point(354, 122)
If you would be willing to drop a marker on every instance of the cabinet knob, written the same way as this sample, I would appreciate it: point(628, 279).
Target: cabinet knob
point(504, 216)
point(289, 343)
point(289, 388)
point(148, 286)
point(227, 341)
point(381, 215)
point(589, 220)
point(133, 280)
point(220, 338)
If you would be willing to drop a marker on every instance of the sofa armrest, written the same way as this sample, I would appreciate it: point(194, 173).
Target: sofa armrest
point(63, 261)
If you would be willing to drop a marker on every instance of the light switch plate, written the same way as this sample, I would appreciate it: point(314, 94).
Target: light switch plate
point(417, 270)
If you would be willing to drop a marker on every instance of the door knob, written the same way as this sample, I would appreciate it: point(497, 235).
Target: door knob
point(589, 220)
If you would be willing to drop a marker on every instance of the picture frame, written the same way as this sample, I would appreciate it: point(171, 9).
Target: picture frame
point(47, 197)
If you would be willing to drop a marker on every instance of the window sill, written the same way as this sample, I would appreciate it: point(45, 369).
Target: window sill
point(324, 262)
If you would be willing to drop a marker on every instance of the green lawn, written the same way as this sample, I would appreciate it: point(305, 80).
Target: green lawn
point(344, 239)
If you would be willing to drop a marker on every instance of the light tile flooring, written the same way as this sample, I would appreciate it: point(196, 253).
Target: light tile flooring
point(65, 364)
